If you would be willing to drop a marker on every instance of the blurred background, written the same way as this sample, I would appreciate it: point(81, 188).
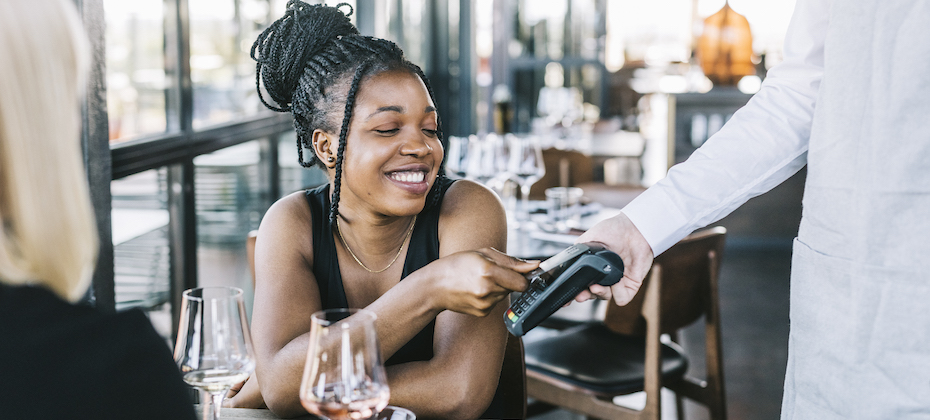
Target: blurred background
point(184, 160)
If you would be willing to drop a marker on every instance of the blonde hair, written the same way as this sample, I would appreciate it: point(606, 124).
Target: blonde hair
point(48, 236)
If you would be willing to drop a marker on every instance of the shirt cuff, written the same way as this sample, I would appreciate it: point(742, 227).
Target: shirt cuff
point(658, 219)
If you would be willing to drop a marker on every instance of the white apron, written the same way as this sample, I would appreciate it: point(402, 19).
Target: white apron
point(859, 346)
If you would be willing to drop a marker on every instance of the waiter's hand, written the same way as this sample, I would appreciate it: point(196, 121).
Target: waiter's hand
point(619, 235)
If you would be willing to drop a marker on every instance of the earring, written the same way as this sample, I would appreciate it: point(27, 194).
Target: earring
point(330, 159)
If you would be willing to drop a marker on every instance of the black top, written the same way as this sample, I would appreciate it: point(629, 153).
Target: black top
point(424, 240)
point(59, 360)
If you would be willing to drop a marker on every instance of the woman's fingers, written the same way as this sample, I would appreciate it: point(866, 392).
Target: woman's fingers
point(508, 273)
point(476, 281)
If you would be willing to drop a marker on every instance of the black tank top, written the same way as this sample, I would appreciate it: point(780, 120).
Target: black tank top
point(424, 239)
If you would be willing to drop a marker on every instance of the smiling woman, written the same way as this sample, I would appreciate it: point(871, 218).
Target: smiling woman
point(367, 116)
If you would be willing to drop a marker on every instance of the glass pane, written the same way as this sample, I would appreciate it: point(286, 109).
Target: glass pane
point(140, 245)
point(416, 42)
point(557, 29)
point(293, 176)
point(231, 197)
point(135, 67)
point(406, 23)
point(229, 193)
point(222, 72)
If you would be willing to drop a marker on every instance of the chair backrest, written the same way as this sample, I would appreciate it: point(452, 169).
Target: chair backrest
point(688, 272)
point(564, 168)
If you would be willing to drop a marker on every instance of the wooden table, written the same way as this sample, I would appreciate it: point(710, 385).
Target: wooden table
point(250, 413)
point(264, 413)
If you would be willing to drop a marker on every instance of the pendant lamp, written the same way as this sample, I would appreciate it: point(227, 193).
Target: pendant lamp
point(724, 49)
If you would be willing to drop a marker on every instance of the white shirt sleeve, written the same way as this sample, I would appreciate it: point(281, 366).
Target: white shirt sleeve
point(762, 144)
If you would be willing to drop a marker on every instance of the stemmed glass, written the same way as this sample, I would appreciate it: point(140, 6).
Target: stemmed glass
point(502, 181)
point(344, 376)
point(496, 154)
point(526, 166)
point(457, 157)
point(214, 347)
point(481, 157)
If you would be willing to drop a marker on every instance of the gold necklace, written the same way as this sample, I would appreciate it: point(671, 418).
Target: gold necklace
point(409, 231)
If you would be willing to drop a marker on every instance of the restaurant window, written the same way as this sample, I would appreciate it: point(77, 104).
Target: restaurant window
point(232, 194)
point(140, 243)
point(135, 67)
point(194, 166)
point(222, 71)
point(294, 177)
point(404, 22)
point(554, 59)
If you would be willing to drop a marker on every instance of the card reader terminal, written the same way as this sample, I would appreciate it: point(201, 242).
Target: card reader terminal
point(558, 280)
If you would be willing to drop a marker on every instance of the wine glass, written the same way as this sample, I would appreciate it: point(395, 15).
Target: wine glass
point(497, 149)
point(214, 348)
point(457, 157)
point(481, 159)
point(344, 376)
point(526, 166)
point(496, 154)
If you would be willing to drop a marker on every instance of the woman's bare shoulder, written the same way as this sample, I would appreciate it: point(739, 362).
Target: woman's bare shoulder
point(471, 217)
point(466, 196)
point(289, 220)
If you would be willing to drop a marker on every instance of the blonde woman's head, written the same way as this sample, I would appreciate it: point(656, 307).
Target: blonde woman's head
point(47, 231)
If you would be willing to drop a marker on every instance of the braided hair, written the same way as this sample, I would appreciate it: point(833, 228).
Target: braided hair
point(304, 58)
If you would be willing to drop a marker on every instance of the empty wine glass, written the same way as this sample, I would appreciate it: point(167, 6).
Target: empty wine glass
point(526, 167)
point(481, 157)
point(497, 155)
point(344, 376)
point(457, 157)
point(214, 348)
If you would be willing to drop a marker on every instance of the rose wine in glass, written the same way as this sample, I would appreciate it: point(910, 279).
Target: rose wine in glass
point(214, 348)
point(344, 376)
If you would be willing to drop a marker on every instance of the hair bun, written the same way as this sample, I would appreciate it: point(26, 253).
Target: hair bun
point(284, 48)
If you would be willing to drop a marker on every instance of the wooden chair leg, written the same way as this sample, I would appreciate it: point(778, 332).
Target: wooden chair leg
point(716, 392)
point(652, 311)
point(543, 390)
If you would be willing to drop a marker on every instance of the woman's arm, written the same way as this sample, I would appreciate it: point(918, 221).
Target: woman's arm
point(287, 294)
point(461, 379)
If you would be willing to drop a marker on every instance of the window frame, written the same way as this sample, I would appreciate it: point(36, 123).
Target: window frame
point(177, 147)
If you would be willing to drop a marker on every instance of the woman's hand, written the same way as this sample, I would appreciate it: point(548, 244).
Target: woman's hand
point(245, 394)
point(472, 282)
point(619, 235)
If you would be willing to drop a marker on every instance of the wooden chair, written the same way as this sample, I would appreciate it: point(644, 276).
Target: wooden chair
point(584, 367)
point(564, 168)
point(513, 370)
point(571, 168)
point(512, 383)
